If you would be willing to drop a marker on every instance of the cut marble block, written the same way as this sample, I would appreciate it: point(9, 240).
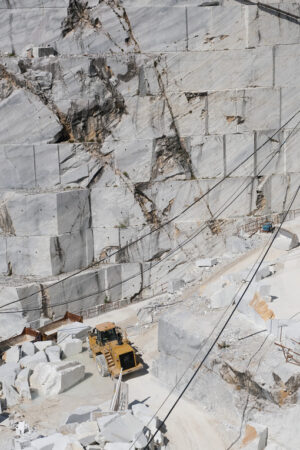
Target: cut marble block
point(51, 213)
point(119, 208)
point(22, 111)
point(50, 255)
point(240, 111)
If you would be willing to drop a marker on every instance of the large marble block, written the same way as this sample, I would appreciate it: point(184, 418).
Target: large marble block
point(207, 156)
point(26, 297)
point(46, 165)
point(134, 159)
point(189, 112)
point(69, 88)
point(290, 100)
point(71, 251)
point(181, 194)
point(216, 27)
point(109, 33)
point(73, 210)
point(115, 207)
point(113, 277)
point(150, 246)
point(158, 29)
point(46, 255)
point(20, 28)
point(19, 4)
point(25, 119)
point(17, 167)
point(47, 214)
point(218, 70)
point(132, 280)
point(177, 195)
point(279, 190)
point(270, 153)
point(105, 239)
point(265, 28)
point(78, 293)
point(25, 166)
point(243, 110)
point(291, 151)
point(29, 255)
point(239, 147)
point(93, 287)
point(287, 65)
point(147, 118)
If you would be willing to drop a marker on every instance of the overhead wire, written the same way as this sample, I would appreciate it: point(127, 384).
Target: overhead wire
point(218, 321)
point(172, 219)
point(182, 244)
point(227, 320)
point(248, 391)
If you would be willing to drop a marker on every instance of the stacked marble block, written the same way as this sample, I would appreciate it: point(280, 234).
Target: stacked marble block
point(49, 233)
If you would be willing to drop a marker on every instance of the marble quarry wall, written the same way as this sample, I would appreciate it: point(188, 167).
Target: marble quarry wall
point(116, 115)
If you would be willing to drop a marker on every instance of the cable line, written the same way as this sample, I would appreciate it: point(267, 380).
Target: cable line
point(206, 340)
point(227, 320)
point(95, 263)
point(182, 244)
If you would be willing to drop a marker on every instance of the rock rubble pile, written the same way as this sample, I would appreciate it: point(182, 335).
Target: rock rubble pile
point(38, 368)
point(93, 428)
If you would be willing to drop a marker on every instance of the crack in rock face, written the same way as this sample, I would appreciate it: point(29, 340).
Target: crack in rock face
point(6, 224)
point(94, 121)
point(78, 14)
point(5, 89)
point(171, 160)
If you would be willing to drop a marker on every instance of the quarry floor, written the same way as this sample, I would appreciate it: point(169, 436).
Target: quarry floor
point(188, 427)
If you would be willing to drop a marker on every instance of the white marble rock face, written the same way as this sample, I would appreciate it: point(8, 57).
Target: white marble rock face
point(135, 110)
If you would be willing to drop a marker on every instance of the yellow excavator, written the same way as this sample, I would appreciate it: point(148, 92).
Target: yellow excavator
point(110, 348)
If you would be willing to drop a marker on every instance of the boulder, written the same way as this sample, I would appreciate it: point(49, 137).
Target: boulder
point(25, 441)
point(122, 428)
point(10, 394)
point(28, 349)
point(9, 372)
point(54, 378)
point(206, 262)
point(31, 361)
point(22, 383)
point(71, 347)
point(56, 441)
point(104, 420)
point(53, 353)
point(12, 355)
point(74, 330)
point(42, 345)
point(286, 240)
point(86, 432)
point(144, 414)
point(82, 414)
